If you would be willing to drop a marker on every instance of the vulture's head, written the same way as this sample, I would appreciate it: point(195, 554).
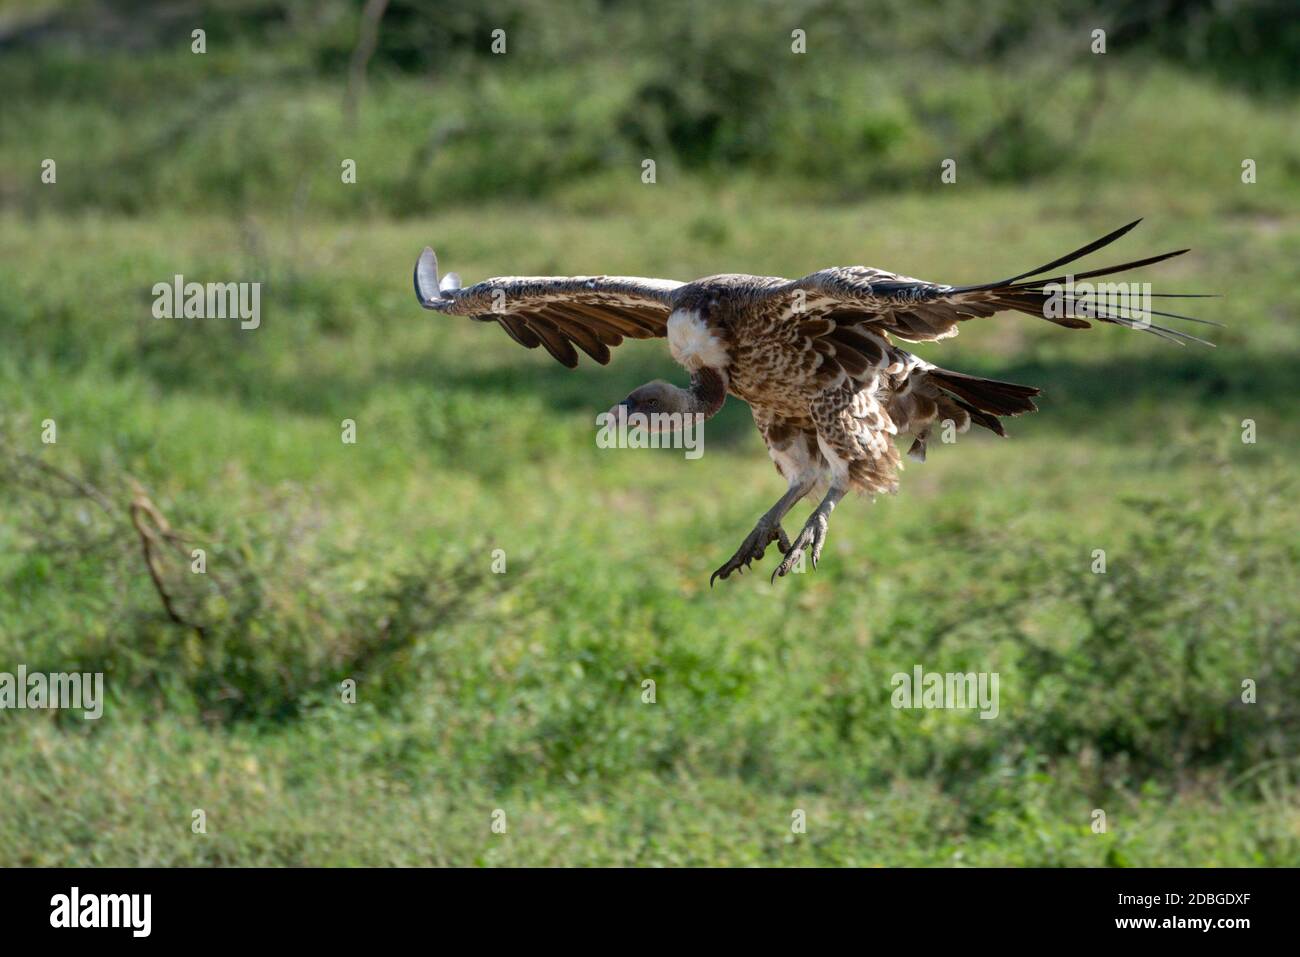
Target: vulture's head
point(655, 397)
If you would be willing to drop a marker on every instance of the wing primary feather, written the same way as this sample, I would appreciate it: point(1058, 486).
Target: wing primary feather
point(519, 331)
point(1181, 337)
point(1154, 312)
point(1038, 303)
point(580, 335)
point(554, 341)
point(1104, 270)
point(1067, 258)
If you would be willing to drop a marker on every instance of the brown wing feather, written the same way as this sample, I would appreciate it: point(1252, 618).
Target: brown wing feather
point(560, 314)
point(922, 311)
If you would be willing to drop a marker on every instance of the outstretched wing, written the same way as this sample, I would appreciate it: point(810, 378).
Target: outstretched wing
point(921, 311)
point(593, 313)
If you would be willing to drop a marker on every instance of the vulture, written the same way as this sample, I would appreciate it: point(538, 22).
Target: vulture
point(817, 359)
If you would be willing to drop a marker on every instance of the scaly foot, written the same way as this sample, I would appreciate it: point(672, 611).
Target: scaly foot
point(752, 549)
point(811, 536)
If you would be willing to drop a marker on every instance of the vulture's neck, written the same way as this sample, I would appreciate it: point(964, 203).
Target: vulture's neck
point(707, 392)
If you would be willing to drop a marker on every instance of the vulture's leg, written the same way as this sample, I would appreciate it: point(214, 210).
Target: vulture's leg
point(767, 530)
point(813, 534)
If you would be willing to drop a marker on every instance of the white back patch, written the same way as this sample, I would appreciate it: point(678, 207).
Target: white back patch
point(693, 344)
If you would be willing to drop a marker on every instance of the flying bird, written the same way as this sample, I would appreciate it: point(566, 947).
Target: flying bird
point(816, 358)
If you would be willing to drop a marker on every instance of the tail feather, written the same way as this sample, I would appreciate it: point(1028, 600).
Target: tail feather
point(990, 422)
point(990, 396)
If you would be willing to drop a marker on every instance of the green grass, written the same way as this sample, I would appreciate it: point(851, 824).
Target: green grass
point(522, 691)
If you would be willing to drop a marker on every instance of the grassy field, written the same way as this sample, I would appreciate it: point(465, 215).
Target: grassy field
point(521, 692)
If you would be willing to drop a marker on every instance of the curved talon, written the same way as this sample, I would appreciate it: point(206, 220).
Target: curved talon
point(751, 550)
point(812, 536)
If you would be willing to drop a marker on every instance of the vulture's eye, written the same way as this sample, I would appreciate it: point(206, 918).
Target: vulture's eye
point(652, 403)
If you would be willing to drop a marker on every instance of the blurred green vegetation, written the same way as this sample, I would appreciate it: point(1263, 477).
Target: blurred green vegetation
point(523, 690)
point(885, 92)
